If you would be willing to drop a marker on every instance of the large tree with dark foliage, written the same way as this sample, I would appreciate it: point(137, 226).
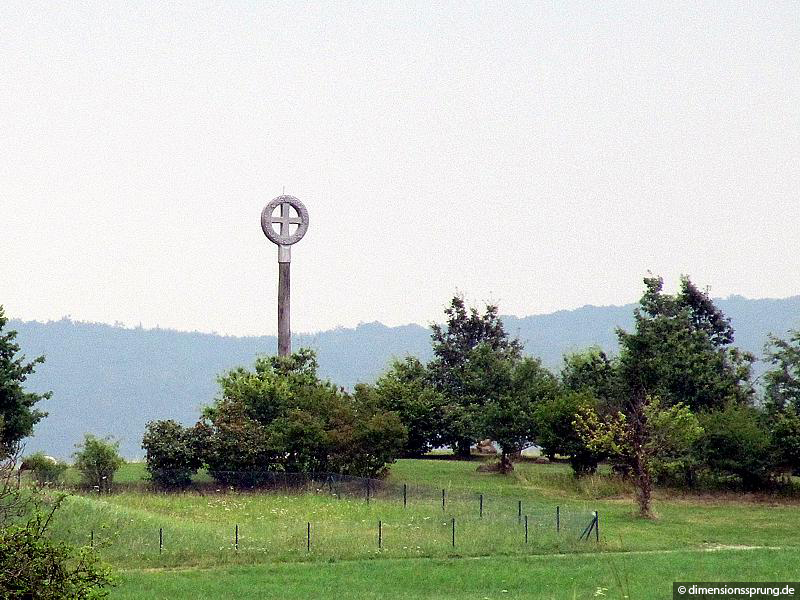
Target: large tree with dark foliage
point(681, 350)
point(681, 353)
point(452, 370)
point(17, 412)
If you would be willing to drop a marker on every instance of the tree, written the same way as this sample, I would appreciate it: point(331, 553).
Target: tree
point(173, 453)
point(593, 372)
point(782, 398)
point(365, 438)
point(782, 382)
point(786, 441)
point(680, 351)
point(405, 389)
point(239, 449)
point(589, 380)
point(17, 412)
point(644, 435)
point(98, 459)
point(509, 417)
point(454, 346)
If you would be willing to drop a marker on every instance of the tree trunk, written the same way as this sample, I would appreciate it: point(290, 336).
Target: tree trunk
point(642, 477)
point(506, 466)
point(643, 482)
point(463, 448)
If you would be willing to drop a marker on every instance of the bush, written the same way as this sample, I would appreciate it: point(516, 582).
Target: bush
point(33, 565)
point(238, 450)
point(557, 435)
point(786, 440)
point(281, 417)
point(405, 390)
point(97, 459)
point(736, 442)
point(173, 452)
point(365, 439)
point(46, 469)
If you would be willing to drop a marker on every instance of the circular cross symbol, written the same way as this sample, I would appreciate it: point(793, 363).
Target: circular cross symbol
point(284, 219)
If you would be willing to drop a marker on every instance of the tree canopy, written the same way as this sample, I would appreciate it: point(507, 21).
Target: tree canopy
point(17, 412)
point(462, 348)
point(681, 350)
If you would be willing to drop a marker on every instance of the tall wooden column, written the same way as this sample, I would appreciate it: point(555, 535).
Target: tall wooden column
point(284, 321)
point(284, 237)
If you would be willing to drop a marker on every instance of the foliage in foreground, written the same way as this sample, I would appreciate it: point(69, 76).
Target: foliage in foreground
point(33, 566)
point(646, 437)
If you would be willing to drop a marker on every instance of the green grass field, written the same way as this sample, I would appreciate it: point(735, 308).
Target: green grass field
point(719, 537)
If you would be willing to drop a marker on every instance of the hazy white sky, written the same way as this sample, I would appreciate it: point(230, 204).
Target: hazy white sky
point(540, 155)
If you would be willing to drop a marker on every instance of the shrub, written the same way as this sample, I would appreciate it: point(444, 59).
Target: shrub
point(173, 453)
point(557, 434)
point(36, 567)
point(281, 417)
point(364, 439)
point(97, 459)
point(32, 564)
point(736, 442)
point(786, 440)
point(238, 451)
point(46, 469)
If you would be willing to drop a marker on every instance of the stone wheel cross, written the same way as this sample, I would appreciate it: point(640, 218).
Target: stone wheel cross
point(284, 238)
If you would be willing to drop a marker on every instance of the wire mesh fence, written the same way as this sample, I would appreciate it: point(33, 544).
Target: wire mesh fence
point(331, 515)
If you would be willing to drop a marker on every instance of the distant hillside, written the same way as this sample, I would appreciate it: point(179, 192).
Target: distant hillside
point(112, 380)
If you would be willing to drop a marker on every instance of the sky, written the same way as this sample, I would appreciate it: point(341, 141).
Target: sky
point(537, 155)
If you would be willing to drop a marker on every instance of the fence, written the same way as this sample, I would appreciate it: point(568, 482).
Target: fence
point(291, 514)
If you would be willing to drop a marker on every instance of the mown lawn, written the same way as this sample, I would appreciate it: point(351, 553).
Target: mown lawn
point(695, 537)
point(631, 576)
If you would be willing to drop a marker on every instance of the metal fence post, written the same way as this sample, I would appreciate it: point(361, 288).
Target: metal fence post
point(526, 529)
point(558, 519)
point(454, 532)
point(597, 526)
point(442, 498)
point(519, 511)
point(236, 537)
point(480, 510)
point(308, 537)
point(160, 539)
point(405, 494)
point(380, 534)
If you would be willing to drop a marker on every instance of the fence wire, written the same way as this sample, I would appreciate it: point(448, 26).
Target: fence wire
point(330, 515)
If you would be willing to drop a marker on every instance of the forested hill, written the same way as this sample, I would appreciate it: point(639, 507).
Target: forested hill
point(112, 380)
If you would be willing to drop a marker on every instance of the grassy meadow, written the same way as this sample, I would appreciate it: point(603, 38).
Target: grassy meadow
point(696, 537)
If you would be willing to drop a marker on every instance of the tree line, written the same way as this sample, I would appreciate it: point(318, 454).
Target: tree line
point(677, 405)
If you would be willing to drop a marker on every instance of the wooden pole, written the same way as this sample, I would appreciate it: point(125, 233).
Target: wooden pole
point(284, 330)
